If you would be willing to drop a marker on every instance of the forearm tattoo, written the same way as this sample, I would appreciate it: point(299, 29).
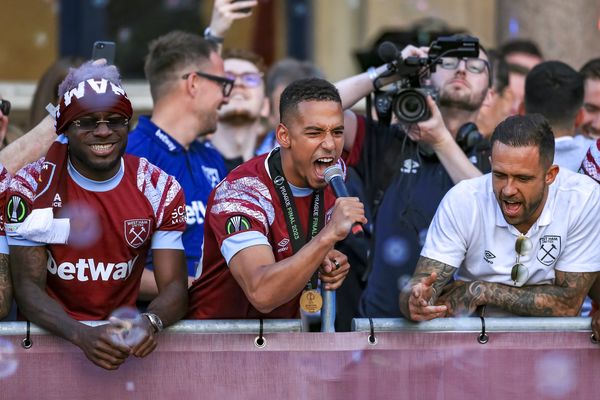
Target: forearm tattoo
point(425, 267)
point(460, 296)
point(564, 298)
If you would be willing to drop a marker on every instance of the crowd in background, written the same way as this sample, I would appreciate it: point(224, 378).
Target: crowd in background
point(211, 201)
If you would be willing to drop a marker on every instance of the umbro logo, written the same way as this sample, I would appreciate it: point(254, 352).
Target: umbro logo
point(410, 167)
point(488, 257)
point(283, 245)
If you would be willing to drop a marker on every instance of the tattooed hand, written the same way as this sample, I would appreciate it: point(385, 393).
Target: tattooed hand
point(461, 298)
point(419, 302)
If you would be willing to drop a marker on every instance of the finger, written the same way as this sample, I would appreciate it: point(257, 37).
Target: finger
point(428, 311)
point(327, 266)
point(334, 285)
point(414, 132)
point(335, 272)
point(100, 61)
point(428, 317)
point(429, 280)
point(145, 347)
point(108, 358)
point(105, 364)
point(435, 111)
point(111, 346)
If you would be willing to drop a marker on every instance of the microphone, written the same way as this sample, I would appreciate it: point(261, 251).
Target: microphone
point(334, 178)
point(388, 52)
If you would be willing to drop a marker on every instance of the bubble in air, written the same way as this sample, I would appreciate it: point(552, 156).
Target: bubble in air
point(8, 359)
point(403, 281)
point(395, 251)
point(85, 227)
point(555, 375)
point(127, 326)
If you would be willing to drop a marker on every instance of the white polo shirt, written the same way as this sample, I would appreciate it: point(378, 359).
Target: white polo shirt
point(470, 233)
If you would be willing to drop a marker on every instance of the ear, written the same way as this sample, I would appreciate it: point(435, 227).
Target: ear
point(489, 98)
point(191, 85)
point(551, 174)
point(521, 108)
point(579, 118)
point(266, 108)
point(283, 136)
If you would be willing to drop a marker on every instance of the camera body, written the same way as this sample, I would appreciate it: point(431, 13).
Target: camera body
point(408, 99)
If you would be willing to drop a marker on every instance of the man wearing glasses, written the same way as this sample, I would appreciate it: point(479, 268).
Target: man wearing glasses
point(401, 173)
point(188, 85)
point(240, 121)
point(81, 221)
point(521, 240)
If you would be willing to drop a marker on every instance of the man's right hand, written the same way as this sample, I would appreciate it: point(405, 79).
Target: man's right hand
point(346, 212)
point(227, 11)
point(419, 305)
point(101, 349)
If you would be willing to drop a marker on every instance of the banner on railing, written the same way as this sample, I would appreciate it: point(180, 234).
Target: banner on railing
point(401, 365)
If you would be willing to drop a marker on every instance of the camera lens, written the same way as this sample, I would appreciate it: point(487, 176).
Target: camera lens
point(100, 45)
point(410, 106)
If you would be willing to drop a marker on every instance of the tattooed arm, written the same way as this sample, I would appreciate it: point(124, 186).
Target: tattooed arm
point(417, 299)
point(563, 298)
point(5, 286)
point(28, 267)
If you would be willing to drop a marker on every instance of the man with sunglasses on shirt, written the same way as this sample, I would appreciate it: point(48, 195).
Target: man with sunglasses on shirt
point(81, 220)
point(188, 86)
point(519, 241)
point(240, 120)
point(405, 170)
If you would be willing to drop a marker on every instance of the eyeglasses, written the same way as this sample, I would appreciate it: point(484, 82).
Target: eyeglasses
point(5, 107)
point(248, 79)
point(90, 124)
point(519, 272)
point(474, 65)
point(226, 83)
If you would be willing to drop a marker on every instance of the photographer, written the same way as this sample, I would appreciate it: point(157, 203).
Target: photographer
point(401, 172)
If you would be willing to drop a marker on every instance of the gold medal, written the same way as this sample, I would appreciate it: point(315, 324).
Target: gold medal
point(311, 301)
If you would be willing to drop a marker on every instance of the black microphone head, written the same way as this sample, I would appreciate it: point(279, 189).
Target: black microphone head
point(332, 172)
point(388, 52)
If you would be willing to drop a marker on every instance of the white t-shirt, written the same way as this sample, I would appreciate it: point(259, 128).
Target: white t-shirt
point(470, 233)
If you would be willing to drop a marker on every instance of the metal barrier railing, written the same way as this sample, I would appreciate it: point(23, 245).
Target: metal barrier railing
point(474, 324)
point(186, 326)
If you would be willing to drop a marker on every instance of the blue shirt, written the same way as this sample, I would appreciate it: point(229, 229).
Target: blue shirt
point(198, 170)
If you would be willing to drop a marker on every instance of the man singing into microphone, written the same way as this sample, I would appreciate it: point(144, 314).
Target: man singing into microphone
point(272, 223)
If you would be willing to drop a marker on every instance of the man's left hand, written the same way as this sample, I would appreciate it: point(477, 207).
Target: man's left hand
point(432, 131)
point(333, 270)
point(147, 344)
point(461, 298)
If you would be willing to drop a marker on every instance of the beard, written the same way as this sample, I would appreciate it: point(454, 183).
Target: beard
point(237, 117)
point(462, 101)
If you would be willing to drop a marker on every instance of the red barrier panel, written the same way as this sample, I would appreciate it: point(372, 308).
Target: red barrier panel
point(405, 365)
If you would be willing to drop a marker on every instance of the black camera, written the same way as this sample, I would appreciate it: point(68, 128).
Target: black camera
point(408, 99)
point(5, 107)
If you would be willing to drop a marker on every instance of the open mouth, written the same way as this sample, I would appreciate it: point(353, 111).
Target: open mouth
point(511, 208)
point(321, 164)
point(102, 149)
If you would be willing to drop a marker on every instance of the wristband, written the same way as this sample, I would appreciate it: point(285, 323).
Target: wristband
point(373, 76)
